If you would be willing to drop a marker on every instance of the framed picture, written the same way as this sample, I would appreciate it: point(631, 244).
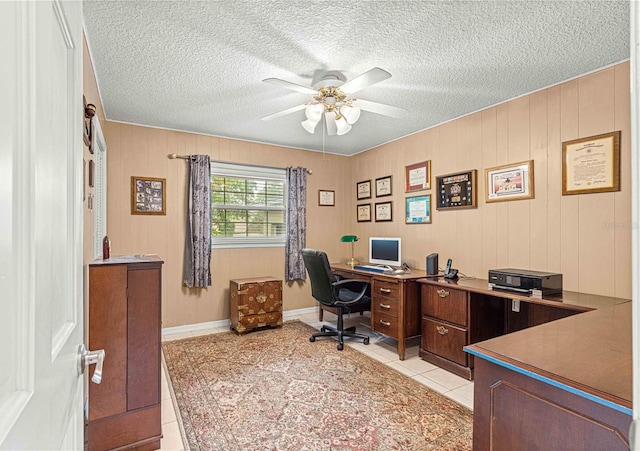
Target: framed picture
point(363, 189)
point(418, 210)
point(457, 190)
point(383, 212)
point(383, 186)
point(91, 173)
point(148, 196)
point(509, 182)
point(591, 165)
point(326, 198)
point(364, 213)
point(417, 176)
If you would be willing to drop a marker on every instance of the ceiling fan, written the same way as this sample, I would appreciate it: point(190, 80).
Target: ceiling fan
point(332, 99)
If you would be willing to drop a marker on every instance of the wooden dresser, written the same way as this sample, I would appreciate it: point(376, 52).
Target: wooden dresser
point(255, 303)
point(125, 321)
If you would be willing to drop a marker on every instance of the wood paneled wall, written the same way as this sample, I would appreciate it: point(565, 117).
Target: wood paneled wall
point(585, 237)
point(142, 151)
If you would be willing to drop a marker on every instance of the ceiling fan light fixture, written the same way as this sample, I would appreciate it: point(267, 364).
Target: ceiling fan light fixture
point(310, 125)
point(342, 125)
point(314, 112)
point(350, 113)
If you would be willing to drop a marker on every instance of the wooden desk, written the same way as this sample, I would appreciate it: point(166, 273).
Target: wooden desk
point(456, 313)
point(395, 302)
point(562, 385)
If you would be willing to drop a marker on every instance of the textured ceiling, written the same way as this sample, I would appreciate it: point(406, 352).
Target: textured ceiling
point(198, 66)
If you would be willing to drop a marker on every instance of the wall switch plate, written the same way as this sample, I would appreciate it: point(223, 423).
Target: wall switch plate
point(515, 305)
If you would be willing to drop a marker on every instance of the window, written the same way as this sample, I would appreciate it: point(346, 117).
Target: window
point(248, 206)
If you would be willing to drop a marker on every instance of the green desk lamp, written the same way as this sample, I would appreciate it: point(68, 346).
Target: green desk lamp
point(350, 239)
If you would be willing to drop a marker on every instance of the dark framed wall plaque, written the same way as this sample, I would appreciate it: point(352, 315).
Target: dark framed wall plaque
point(457, 190)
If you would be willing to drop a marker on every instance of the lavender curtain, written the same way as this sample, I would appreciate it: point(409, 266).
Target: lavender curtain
point(296, 224)
point(197, 246)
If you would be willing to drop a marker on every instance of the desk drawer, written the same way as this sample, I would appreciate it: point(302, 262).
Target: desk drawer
point(445, 303)
point(387, 289)
point(385, 306)
point(444, 340)
point(386, 324)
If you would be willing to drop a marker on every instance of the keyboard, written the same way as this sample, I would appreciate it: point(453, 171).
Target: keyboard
point(380, 269)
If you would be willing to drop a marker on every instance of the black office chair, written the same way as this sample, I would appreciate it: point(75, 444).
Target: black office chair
point(342, 294)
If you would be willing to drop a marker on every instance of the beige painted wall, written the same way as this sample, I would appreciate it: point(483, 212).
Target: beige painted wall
point(585, 237)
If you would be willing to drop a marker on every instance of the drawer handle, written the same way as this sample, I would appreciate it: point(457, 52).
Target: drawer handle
point(385, 323)
point(385, 290)
point(442, 330)
point(443, 293)
point(387, 306)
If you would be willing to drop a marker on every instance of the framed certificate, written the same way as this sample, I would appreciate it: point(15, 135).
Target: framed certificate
point(383, 212)
point(418, 210)
point(383, 186)
point(417, 176)
point(457, 190)
point(363, 189)
point(364, 213)
point(326, 198)
point(591, 165)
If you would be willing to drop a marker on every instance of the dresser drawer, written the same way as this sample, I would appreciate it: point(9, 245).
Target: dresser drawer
point(445, 303)
point(444, 340)
point(386, 324)
point(386, 306)
point(387, 289)
point(251, 322)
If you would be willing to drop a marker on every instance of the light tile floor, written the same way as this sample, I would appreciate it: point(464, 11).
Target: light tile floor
point(381, 348)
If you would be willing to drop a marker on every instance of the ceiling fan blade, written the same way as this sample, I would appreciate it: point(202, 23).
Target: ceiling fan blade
point(330, 120)
point(370, 77)
point(380, 108)
point(292, 86)
point(284, 112)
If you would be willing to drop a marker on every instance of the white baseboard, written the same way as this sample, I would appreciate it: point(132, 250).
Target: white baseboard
point(224, 323)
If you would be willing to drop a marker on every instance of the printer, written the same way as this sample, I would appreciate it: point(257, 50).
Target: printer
point(529, 283)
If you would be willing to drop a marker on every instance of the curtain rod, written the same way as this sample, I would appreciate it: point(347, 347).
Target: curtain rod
point(173, 156)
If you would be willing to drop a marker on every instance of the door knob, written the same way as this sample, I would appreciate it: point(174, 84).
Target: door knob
point(89, 358)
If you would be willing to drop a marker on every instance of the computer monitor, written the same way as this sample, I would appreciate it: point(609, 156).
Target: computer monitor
point(385, 251)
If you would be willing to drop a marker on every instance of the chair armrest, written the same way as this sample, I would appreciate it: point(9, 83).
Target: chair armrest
point(362, 292)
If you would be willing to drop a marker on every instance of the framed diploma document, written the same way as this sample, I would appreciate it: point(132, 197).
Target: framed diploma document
point(364, 213)
point(591, 165)
point(418, 210)
point(383, 212)
point(457, 190)
point(363, 189)
point(326, 198)
point(417, 176)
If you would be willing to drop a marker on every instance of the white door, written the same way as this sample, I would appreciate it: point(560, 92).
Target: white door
point(41, 314)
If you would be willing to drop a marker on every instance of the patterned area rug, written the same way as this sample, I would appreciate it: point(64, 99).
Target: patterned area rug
point(275, 390)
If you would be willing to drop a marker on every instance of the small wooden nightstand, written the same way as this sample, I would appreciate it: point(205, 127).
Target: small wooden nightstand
point(254, 303)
